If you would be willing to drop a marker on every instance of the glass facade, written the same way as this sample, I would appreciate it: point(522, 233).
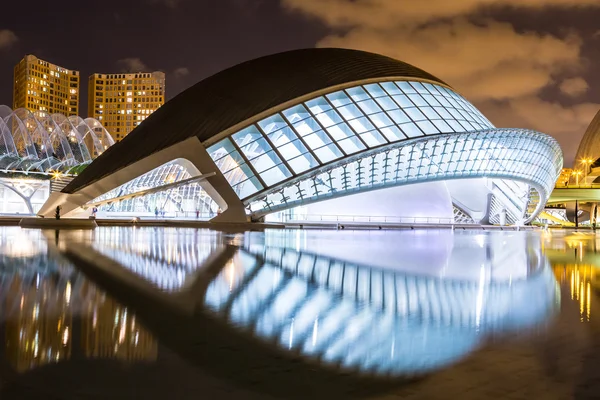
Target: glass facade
point(384, 134)
point(503, 154)
point(188, 200)
point(337, 125)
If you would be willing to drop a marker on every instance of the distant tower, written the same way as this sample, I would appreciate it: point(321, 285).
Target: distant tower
point(122, 101)
point(42, 86)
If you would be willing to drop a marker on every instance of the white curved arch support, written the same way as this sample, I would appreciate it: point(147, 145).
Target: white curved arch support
point(59, 141)
point(38, 134)
point(81, 153)
point(7, 140)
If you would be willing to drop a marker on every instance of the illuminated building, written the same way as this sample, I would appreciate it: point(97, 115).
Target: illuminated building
point(320, 132)
point(43, 86)
point(123, 101)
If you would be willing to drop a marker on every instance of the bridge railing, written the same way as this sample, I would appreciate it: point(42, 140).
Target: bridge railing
point(365, 219)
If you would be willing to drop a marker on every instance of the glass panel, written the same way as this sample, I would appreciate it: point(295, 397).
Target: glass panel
point(411, 130)
point(431, 100)
point(318, 105)
point(442, 126)
point(392, 133)
point(375, 90)
point(275, 175)
point(455, 113)
point(292, 149)
point(361, 125)
point(391, 88)
point(369, 106)
point(357, 93)
point(328, 153)
point(282, 136)
point(220, 149)
point(340, 131)
point(442, 112)
point(339, 99)
point(351, 145)
point(418, 100)
point(419, 87)
point(256, 148)
point(456, 127)
point(303, 163)
point(387, 103)
point(381, 120)
point(443, 101)
point(232, 160)
point(415, 114)
point(265, 161)
point(317, 139)
point(405, 86)
point(399, 116)
point(247, 188)
point(428, 127)
point(373, 138)
point(273, 123)
point(329, 118)
point(296, 113)
point(307, 126)
point(403, 101)
point(467, 125)
point(247, 135)
point(429, 113)
point(350, 112)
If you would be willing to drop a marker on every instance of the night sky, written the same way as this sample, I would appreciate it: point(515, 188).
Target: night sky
point(532, 65)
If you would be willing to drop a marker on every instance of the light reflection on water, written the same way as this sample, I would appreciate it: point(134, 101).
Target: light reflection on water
point(391, 302)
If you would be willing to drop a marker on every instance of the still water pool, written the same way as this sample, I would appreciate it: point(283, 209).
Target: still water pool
point(186, 313)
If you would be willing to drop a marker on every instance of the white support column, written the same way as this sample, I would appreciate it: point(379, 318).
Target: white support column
point(190, 149)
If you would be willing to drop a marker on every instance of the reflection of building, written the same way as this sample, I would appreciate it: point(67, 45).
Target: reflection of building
point(110, 331)
point(122, 101)
point(40, 331)
point(49, 313)
point(292, 133)
point(42, 86)
point(582, 280)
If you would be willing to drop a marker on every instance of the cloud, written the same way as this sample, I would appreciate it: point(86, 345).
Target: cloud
point(490, 62)
point(567, 124)
point(574, 87)
point(132, 64)
point(181, 72)
point(7, 39)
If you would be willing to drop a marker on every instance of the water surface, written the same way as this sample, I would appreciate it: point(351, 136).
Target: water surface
point(172, 313)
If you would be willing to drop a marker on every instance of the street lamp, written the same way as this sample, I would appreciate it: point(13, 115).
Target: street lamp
point(577, 174)
point(586, 162)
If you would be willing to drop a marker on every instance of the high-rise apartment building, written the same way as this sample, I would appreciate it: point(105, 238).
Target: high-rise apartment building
point(122, 101)
point(43, 86)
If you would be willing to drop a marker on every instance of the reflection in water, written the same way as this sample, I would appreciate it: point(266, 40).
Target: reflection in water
point(405, 316)
point(581, 279)
point(51, 313)
point(164, 257)
point(368, 319)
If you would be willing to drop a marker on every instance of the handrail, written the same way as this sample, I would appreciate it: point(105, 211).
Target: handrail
point(365, 218)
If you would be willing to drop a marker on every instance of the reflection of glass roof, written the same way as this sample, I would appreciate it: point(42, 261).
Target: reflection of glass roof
point(366, 320)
